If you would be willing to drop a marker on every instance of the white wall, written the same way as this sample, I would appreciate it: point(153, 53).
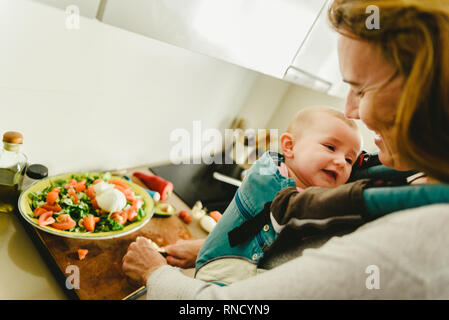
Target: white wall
point(87, 8)
point(104, 98)
point(263, 101)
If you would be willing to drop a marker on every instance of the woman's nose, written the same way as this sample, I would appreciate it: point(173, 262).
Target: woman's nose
point(352, 106)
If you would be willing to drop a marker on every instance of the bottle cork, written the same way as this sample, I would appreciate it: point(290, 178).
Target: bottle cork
point(13, 137)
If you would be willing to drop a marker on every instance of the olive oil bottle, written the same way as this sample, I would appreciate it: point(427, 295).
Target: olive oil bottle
point(12, 169)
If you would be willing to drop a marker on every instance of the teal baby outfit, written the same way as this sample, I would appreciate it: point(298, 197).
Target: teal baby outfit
point(260, 185)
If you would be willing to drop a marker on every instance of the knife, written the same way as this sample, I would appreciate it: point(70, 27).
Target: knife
point(221, 177)
point(159, 249)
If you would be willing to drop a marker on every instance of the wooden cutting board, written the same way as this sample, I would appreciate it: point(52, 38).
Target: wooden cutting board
point(100, 273)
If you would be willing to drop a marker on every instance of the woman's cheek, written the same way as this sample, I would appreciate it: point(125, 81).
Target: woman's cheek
point(366, 113)
point(352, 106)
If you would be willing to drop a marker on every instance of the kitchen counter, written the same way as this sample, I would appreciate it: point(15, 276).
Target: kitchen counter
point(26, 276)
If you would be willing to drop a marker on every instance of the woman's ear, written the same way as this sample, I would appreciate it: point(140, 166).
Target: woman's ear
point(287, 145)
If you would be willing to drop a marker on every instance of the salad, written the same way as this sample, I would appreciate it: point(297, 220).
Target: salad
point(87, 203)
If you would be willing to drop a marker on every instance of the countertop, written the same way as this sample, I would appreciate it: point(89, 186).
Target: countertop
point(26, 276)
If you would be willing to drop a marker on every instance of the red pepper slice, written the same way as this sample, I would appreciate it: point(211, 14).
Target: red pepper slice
point(156, 183)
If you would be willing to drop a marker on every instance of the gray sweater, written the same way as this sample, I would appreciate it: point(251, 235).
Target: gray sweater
point(403, 255)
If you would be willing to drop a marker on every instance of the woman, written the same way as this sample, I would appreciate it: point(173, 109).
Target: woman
point(399, 75)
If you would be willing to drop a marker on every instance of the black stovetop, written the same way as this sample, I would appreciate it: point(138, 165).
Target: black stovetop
point(193, 182)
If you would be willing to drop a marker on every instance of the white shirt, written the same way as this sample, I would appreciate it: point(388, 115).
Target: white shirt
point(404, 255)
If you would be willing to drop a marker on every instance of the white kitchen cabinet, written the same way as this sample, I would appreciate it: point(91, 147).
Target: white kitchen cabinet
point(286, 39)
point(316, 64)
point(87, 8)
point(262, 35)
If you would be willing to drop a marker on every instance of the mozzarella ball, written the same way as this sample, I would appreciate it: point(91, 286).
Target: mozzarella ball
point(111, 200)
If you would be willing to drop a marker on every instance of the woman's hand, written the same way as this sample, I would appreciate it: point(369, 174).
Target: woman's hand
point(183, 253)
point(141, 260)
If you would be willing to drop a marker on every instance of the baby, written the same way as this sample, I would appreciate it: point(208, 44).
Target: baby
point(318, 149)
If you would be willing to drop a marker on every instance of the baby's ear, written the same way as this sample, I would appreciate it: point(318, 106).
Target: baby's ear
point(287, 145)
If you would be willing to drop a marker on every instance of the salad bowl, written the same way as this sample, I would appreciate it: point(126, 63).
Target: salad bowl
point(79, 206)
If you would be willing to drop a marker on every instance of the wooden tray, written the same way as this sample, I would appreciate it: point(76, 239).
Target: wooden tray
point(100, 273)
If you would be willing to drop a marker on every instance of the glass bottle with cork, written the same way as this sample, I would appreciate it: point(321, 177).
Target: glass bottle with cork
point(12, 169)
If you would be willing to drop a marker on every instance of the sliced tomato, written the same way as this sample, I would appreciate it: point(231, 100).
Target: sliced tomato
point(89, 222)
point(74, 195)
point(128, 193)
point(38, 211)
point(120, 216)
point(55, 208)
point(120, 183)
point(97, 181)
point(90, 192)
point(46, 218)
point(57, 189)
point(64, 222)
point(95, 204)
point(71, 184)
point(124, 188)
point(131, 213)
point(82, 253)
point(80, 186)
point(52, 196)
point(137, 203)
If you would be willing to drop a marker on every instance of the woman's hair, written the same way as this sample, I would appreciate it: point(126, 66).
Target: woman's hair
point(413, 36)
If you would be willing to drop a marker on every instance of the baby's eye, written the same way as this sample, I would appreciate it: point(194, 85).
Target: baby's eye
point(330, 147)
point(349, 161)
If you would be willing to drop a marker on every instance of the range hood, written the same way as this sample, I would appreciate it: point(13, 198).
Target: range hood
point(316, 62)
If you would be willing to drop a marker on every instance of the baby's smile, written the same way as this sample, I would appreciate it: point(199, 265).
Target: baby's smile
point(332, 174)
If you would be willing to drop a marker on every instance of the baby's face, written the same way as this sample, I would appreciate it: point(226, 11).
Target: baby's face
point(324, 153)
